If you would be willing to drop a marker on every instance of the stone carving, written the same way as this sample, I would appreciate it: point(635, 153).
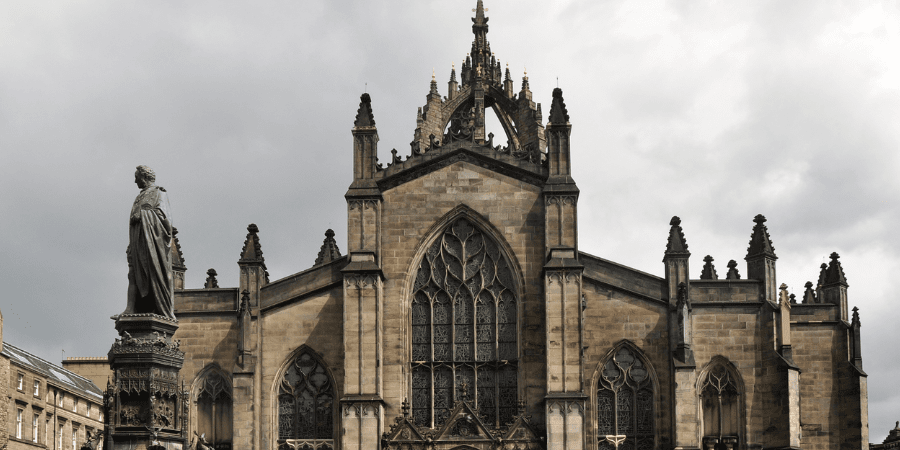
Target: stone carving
point(150, 279)
point(91, 440)
point(200, 442)
point(161, 345)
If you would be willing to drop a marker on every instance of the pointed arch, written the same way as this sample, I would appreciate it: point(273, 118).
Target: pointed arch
point(304, 400)
point(465, 291)
point(213, 405)
point(720, 389)
point(626, 398)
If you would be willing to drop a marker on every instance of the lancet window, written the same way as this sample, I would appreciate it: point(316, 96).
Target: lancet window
point(306, 404)
point(214, 410)
point(464, 329)
point(625, 410)
point(720, 403)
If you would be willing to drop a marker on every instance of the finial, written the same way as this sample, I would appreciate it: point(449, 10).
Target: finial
point(253, 228)
point(793, 299)
point(732, 271)
point(809, 295)
point(211, 282)
point(558, 112)
point(432, 74)
point(759, 219)
point(709, 271)
point(676, 221)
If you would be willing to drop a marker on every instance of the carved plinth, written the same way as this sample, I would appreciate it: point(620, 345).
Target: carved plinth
point(146, 403)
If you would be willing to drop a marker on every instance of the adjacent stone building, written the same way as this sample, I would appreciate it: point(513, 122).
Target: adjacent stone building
point(48, 406)
point(464, 314)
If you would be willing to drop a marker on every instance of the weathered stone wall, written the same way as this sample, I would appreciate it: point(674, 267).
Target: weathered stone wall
point(315, 321)
point(611, 316)
point(817, 349)
point(411, 211)
point(734, 331)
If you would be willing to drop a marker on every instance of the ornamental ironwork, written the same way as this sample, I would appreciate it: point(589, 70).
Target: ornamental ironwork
point(305, 402)
point(625, 403)
point(464, 329)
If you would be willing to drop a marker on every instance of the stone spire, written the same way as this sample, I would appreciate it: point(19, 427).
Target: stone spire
point(252, 250)
point(452, 85)
point(732, 271)
point(760, 242)
point(809, 295)
point(558, 112)
point(677, 245)
point(329, 251)
point(481, 49)
point(709, 270)
point(834, 286)
point(211, 282)
point(835, 273)
point(364, 116)
point(761, 259)
point(252, 253)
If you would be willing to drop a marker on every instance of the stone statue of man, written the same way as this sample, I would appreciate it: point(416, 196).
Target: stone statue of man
point(150, 285)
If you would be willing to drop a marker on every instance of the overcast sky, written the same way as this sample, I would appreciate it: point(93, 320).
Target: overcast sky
point(712, 111)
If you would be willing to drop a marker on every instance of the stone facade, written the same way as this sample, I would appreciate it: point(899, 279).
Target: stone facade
point(48, 406)
point(465, 315)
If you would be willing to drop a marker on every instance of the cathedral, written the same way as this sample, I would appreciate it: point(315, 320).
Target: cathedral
point(464, 315)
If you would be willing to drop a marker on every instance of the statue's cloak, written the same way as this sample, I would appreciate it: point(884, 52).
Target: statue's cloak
point(151, 287)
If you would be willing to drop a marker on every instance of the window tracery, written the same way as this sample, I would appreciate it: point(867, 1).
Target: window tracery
point(214, 410)
point(305, 403)
point(464, 329)
point(625, 410)
point(720, 403)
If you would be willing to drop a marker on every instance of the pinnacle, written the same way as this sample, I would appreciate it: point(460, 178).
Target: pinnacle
point(709, 270)
point(329, 250)
point(252, 251)
point(732, 271)
point(760, 242)
point(677, 243)
point(834, 273)
point(364, 116)
point(558, 112)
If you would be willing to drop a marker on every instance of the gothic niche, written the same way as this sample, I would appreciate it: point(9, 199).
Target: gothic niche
point(464, 329)
point(214, 410)
point(720, 404)
point(625, 403)
point(306, 405)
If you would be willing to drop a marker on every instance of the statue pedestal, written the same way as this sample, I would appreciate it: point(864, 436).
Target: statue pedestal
point(146, 404)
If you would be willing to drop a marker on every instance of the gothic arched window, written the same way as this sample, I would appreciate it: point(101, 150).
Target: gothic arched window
point(305, 403)
point(214, 410)
point(720, 403)
point(464, 329)
point(625, 403)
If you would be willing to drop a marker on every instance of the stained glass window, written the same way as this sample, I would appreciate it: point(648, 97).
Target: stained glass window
point(464, 329)
point(625, 403)
point(306, 400)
